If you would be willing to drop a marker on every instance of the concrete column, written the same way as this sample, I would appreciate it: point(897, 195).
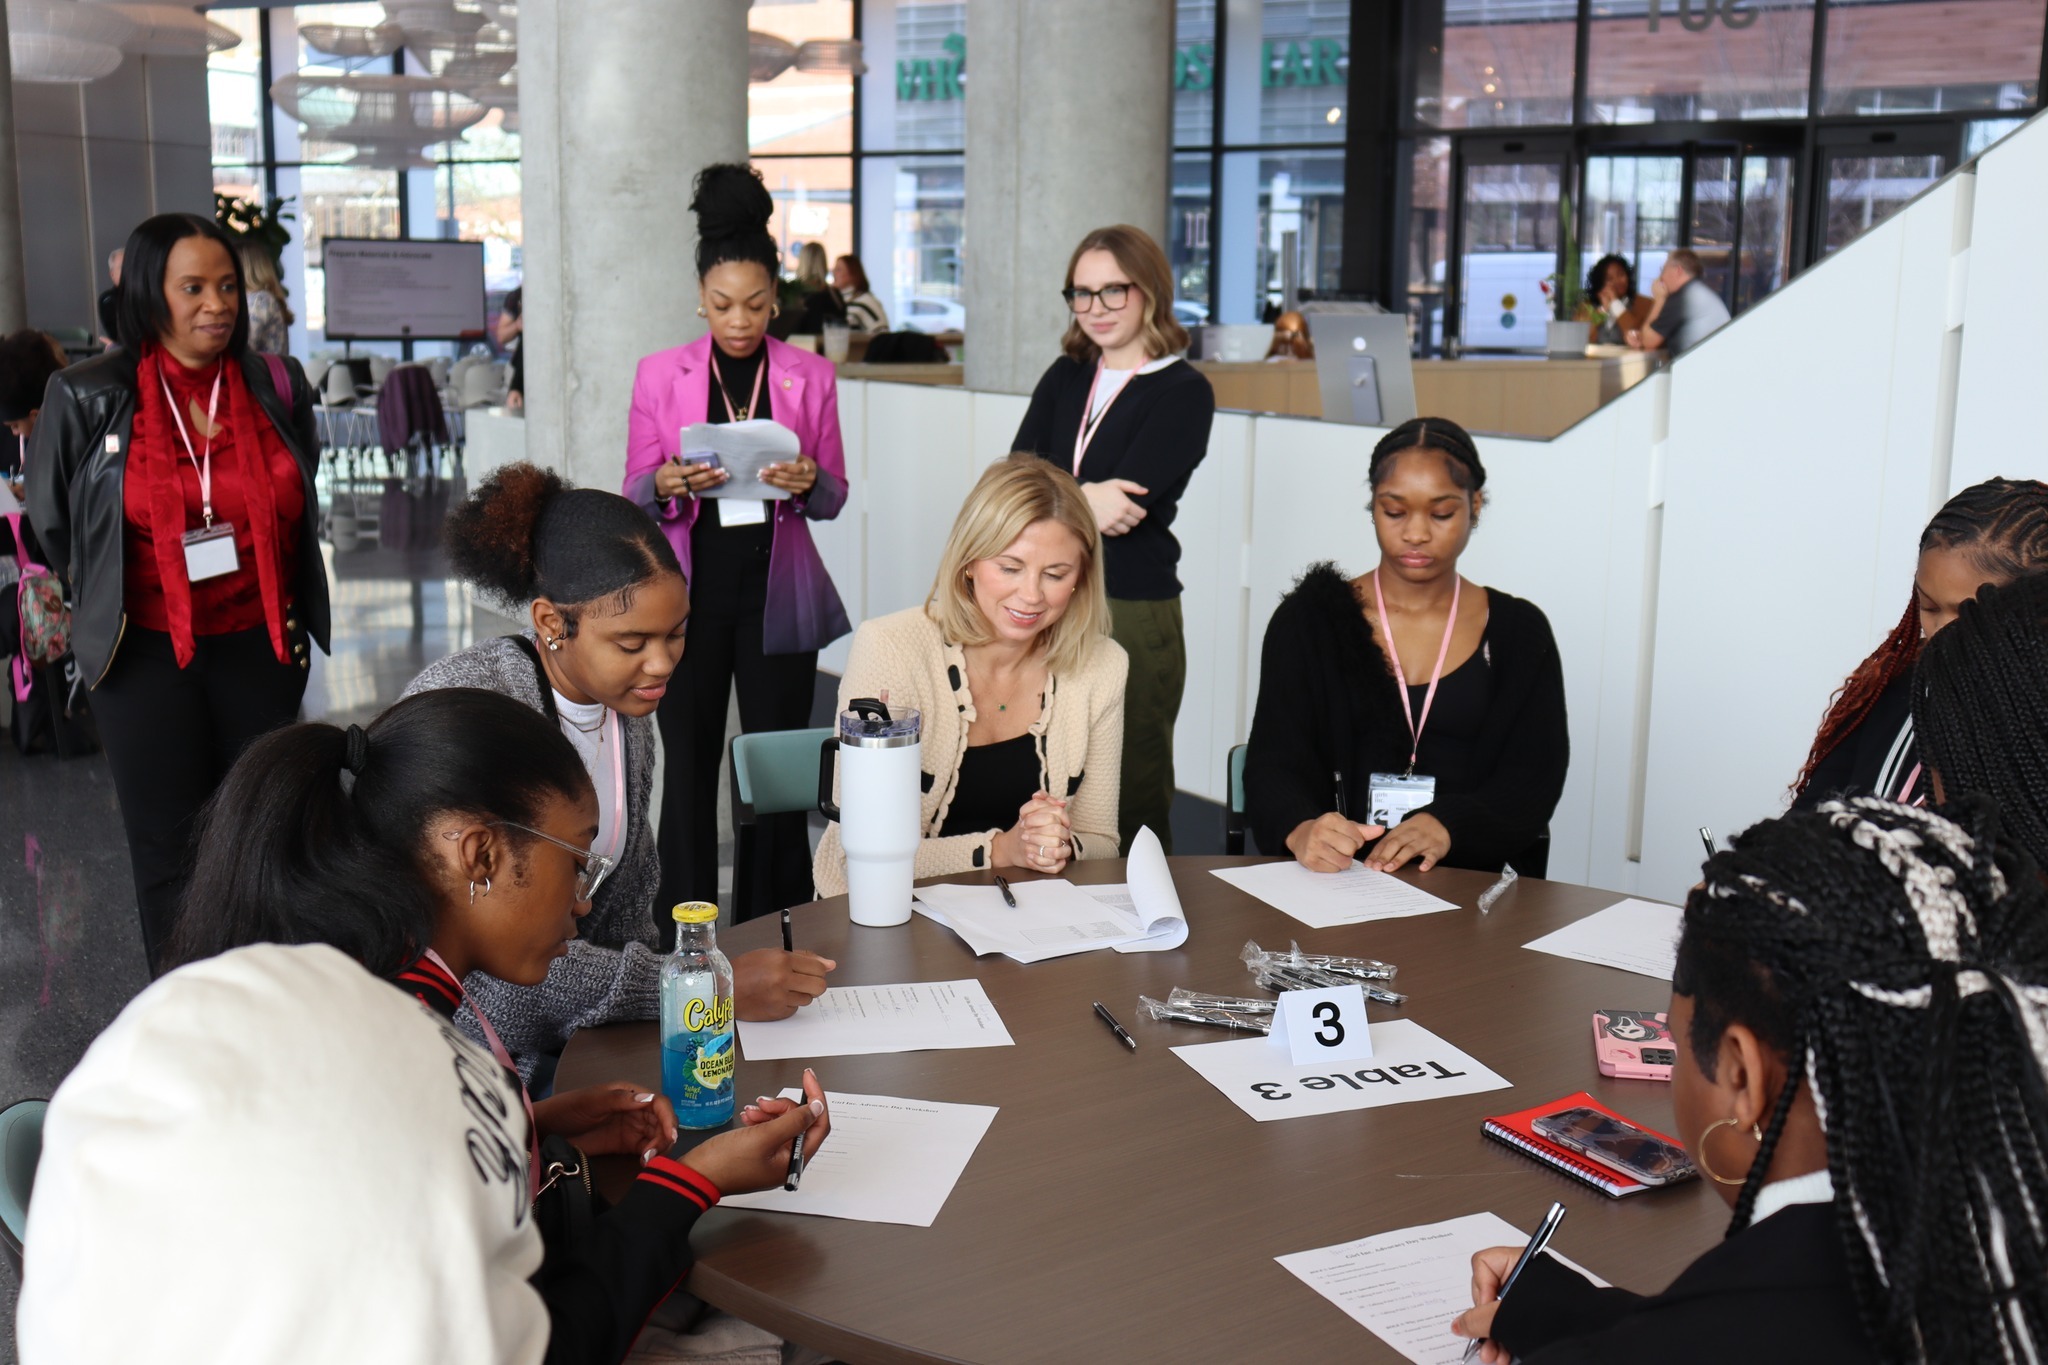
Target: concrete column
point(620, 105)
point(13, 281)
point(1069, 127)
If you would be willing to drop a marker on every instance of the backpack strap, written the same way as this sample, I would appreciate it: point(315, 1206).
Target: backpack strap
point(540, 673)
point(280, 378)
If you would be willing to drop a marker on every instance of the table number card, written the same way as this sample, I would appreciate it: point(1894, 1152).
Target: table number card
point(1409, 1063)
point(1326, 1025)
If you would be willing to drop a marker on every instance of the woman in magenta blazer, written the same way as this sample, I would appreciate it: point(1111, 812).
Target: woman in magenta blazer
point(761, 603)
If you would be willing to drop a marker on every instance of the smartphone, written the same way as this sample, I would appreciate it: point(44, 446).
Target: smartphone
point(1618, 1144)
point(1633, 1044)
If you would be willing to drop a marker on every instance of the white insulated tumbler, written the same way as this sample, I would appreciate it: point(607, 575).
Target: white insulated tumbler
point(880, 785)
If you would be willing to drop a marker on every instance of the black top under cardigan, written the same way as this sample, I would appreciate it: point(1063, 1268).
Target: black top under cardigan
point(1777, 1290)
point(1328, 703)
point(1154, 434)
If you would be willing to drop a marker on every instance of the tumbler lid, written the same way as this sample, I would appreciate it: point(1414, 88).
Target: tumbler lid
point(869, 724)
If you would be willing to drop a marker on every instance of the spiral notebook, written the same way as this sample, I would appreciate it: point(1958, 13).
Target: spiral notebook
point(1517, 1131)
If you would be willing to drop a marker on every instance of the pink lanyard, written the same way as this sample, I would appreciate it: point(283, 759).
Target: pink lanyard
point(1905, 796)
point(504, 1057)
point(205, 473)
point(1443, 652)
point(1088, 427)
point(754, 403)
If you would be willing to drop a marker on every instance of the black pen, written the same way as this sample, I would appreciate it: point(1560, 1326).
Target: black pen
point(1343, 807)
point(1115, 1027)
point(788, 942)
point(1707, 838)
point(1003, 885)
point(795, 1174)
point(1529, 1253)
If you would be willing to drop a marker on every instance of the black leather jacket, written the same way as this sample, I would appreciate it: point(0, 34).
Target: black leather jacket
point(75, 499)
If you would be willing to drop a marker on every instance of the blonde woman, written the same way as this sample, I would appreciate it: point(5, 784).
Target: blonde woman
point(1131, 421)
point(1021, 688)
point(270, 317)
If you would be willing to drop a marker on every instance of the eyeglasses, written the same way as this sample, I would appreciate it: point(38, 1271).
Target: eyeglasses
point(591, 868)
point(1113, 296)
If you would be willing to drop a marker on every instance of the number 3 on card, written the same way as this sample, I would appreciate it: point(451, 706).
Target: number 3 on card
point(1322, 1026)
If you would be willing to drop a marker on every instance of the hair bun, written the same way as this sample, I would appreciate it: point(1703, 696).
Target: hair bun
point(490, 537)
point(730, 200)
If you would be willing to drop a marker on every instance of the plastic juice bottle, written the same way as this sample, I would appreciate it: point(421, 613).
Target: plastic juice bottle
point(697, 1045)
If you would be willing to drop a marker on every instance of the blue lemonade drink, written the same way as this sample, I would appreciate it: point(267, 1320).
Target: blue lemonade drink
point(697, 1044)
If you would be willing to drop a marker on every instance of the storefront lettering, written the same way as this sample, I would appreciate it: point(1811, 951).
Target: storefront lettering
point(1729, 12)
point(1314, 64)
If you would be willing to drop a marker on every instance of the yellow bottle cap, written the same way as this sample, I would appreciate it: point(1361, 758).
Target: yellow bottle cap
point(695, 912)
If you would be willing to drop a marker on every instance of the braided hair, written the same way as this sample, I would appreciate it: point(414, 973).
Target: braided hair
point(1980, 705)
point(525, 534)
point(1431, 433)
point(733, 207)
point(1898, 959)
point(2002, 524)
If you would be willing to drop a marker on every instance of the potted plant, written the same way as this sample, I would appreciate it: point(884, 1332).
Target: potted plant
point(1566, 335)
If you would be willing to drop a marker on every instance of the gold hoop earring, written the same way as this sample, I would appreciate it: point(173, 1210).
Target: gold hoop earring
point(700, 311)
point(774, 310)
point(1700, 1157)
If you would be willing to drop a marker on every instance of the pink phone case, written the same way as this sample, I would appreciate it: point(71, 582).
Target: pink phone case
point(1633, 1044)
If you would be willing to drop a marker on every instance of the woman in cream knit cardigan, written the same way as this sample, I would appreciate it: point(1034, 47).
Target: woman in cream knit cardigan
point(1021, 688)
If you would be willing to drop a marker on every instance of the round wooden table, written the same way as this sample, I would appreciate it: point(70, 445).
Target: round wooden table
point(1120, 1207)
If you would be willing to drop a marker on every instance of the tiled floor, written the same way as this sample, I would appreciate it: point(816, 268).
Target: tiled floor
point(70, 945)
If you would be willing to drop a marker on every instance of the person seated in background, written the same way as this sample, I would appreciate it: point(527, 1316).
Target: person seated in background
point(1020, 687)
point(864, 312)
point(1862, 1073)
point(1980, 706)
point(1684, 309)
point(27, 360)
point(606, 596)
point(1354, 725)
point(1291, 339)
point(511, 335)
point(272, 1140)
point(821, 302)
point(1611, 289)
point(1990, 533)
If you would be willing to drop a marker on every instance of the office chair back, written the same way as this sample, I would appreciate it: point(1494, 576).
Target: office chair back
point(774, 772)
point(1233, 819)
point(21, 1147)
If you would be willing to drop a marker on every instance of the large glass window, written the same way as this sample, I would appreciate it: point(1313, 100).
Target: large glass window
point(1492, 63)
point(1653, 61)
point(1921, 56)
point(1511, 223)
point(913, 217)
point(1304, 68)
point(801, 97)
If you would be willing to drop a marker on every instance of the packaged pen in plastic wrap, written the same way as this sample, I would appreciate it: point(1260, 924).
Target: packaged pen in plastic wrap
point(1299, 971)
point(1217, 1016)
point(1363, 968)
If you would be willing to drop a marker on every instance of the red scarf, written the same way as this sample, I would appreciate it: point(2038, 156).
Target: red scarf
point(154, 454)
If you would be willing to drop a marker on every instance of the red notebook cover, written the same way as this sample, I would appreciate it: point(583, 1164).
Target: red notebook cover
point(1517, 1131)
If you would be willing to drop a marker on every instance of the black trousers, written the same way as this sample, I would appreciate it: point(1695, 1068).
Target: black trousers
point(728, 593)
point(171, 734)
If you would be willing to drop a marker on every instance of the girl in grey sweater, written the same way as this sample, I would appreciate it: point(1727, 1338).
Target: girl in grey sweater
point(608, 605)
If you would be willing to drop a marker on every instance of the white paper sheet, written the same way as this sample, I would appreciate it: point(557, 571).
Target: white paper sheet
point(1324, 900)
point(1052, 918)
point(743, 449)
point(850, 1021)
point(887, 1160)
point(1154, 900)
point(1406, 1286)
point(1409, 1063)
point(1635, 935)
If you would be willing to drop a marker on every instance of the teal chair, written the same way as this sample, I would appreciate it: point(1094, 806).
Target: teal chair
point(774, 772)
point(21, 1146)
point(1233, 820)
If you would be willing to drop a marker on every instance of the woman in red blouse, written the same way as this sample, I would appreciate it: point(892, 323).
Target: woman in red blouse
point(171, 481)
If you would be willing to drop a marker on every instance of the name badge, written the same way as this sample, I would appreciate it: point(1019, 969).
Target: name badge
point(1391, 796)
point(209, 553)
point(742, 511)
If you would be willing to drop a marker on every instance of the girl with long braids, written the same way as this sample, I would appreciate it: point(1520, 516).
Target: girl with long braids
point(1861, 1006)
point(607, 605)
point(763, 604)
point(1409, 686)
point(1991, 532)
point(1980, 705)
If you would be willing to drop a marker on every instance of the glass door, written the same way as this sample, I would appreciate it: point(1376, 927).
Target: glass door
point(1507, 231)
point(1867, 175)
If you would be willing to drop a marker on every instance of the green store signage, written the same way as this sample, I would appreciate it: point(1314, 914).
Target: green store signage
point(1310, 65)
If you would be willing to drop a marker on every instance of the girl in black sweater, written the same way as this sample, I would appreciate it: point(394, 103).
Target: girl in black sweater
point(1482, 718)
point(1130, 420)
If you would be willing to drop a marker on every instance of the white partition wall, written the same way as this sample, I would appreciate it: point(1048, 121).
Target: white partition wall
point(1715, 550)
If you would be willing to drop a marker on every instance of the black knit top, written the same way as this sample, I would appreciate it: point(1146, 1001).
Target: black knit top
point(1154, 434)
point(1328, 703)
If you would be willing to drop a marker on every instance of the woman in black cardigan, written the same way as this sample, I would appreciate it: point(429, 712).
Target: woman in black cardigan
point(1485, 690)
point(1130, 420)
point(1880, 968)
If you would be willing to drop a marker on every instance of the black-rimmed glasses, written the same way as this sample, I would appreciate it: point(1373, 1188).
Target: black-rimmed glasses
point(591, 868)
point(1113, 296)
